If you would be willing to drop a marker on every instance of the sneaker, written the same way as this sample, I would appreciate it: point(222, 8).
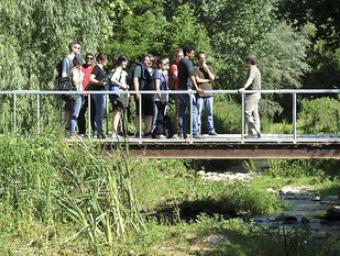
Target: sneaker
point(117, 137)
point(213, 133)
point(160, 136)
point(181, 136)
point(101, 135)
point(72, 136)
point(197, 136)
point(147, 135)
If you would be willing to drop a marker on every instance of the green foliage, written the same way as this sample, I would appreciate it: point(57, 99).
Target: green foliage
point(33, 38)
point(34, 43)
point(282, 57)
point(251, 28)
point(47, 181)
point(144, 29)
point(227, 115)
point(326, 63)
point(320, 116)
point(295, 168)
point(323, 13)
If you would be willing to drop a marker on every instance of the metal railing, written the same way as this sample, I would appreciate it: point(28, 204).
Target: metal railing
point(190, 93)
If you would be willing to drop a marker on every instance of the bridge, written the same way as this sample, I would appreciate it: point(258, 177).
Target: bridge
point(223, 146)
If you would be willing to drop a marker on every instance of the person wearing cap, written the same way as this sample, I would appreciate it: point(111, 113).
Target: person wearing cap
point(77, 77)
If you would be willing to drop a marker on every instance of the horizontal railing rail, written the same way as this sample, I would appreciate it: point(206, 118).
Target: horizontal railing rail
point(293, 92)
point(278, 91)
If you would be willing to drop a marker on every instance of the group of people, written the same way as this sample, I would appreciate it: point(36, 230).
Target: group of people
point(148, 74)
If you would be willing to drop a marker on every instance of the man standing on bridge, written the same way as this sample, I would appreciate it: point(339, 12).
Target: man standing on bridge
point(187, 81)
point(252, 99)
point(204, 78)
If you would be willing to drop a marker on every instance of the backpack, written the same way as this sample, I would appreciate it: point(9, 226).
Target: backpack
point(58, 69)
point(64, 84)
point(145, 82)
point(167, 126)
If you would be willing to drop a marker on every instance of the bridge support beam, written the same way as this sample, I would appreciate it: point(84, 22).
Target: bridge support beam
point(236, 151)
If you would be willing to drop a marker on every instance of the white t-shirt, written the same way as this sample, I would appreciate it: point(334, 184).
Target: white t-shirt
point(120, 75)
point(77, 76)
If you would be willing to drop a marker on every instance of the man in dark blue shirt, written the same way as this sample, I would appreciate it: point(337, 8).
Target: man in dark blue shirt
point(187, 81)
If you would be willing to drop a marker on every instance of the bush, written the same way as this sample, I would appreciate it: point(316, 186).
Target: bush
point(295, 169)
point(227, 115)
point(320, 116)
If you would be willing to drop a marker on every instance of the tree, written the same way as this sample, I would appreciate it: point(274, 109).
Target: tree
point(35, 42)
point(142, 27)
point(325, 14)
point(241, 28)
point(33, 38)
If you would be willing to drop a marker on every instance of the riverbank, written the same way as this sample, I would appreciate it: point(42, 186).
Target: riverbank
point(58, 199)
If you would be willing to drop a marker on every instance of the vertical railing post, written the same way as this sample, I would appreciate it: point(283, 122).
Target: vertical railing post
point(139, 95)
point(107, 113)
point(242, 118)
point(14, 112)
point(38, 113)
point(294, 117)
point(89, 122)
point(191, 96)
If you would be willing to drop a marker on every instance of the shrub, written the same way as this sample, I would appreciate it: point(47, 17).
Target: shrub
point(320, 116)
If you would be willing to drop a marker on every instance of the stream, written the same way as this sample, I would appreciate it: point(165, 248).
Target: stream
point(306, 207)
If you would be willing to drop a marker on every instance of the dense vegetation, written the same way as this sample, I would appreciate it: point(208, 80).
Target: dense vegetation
point(74, 200)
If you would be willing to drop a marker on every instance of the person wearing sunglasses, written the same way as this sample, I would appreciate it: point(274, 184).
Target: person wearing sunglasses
point(87, 68)
point(67, 64)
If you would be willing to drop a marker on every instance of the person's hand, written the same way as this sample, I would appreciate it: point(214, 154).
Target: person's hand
point(200, 90)
point(205, 66)
point(242, 90)
point(124, 86)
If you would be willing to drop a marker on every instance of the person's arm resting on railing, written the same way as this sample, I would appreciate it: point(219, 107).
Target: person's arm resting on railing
point(249, 81)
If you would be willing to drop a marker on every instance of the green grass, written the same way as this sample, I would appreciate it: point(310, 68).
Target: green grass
point(63, 199)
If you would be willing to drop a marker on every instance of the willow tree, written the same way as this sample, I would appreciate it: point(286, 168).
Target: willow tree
point(33, 38)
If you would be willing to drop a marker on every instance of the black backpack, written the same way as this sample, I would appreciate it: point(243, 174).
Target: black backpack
point(146, 81)
point(64, 84)
point(167, 126)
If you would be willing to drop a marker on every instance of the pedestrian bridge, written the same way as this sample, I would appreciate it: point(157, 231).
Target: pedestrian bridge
point(232, 146)
point(222, 146)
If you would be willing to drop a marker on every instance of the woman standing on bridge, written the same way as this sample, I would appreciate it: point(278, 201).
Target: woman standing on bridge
point(120, 102)
point(77, 77)
point(97, 83)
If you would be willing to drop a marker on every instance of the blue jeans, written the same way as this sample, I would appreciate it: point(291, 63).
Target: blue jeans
point(184, 105)
point(99, 100)
point(158, 117)
point(207, 104)
point(76, 105)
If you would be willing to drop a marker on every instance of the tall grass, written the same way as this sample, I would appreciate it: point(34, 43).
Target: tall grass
point(46, 180)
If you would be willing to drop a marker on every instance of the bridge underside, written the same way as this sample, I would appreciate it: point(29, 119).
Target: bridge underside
point(232, 147)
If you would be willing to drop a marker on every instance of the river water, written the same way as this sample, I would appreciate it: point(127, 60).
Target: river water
point(304, 207)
